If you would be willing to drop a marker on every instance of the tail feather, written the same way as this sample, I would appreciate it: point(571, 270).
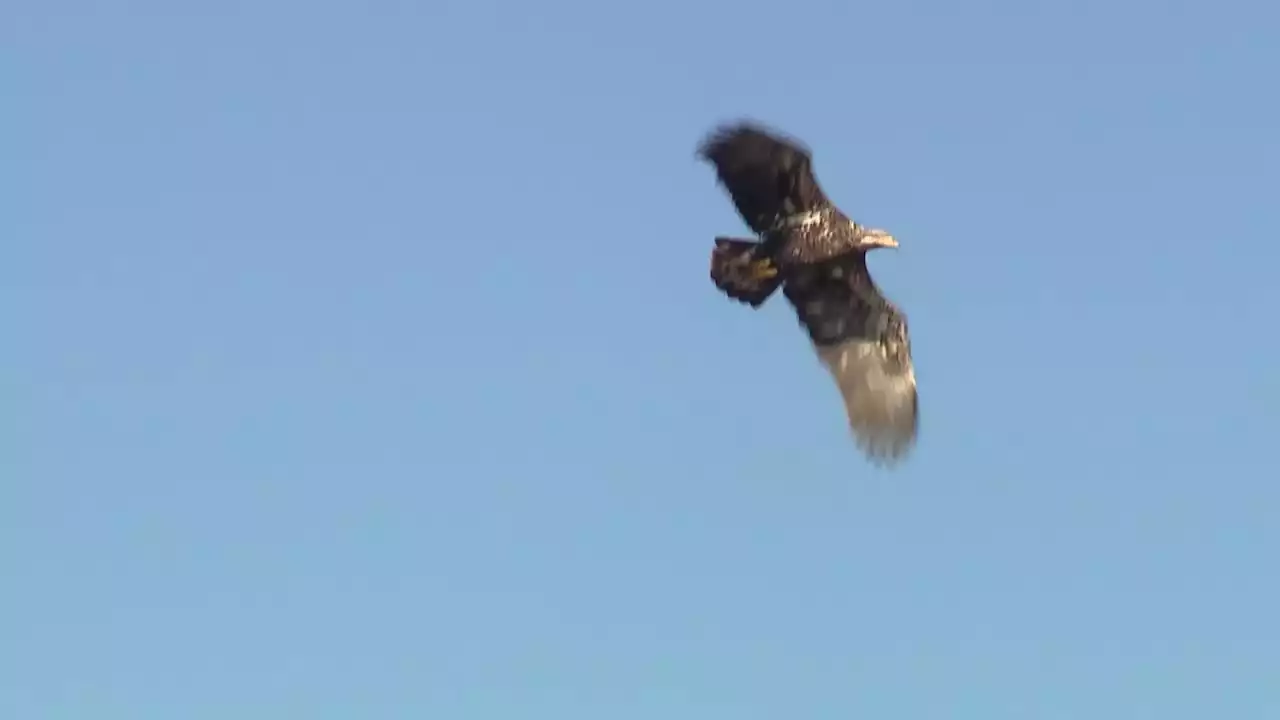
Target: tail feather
point(729, 260)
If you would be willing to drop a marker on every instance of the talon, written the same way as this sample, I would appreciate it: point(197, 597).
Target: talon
point(762, 269)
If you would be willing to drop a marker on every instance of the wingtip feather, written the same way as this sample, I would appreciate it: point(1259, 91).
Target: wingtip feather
point(882, 406)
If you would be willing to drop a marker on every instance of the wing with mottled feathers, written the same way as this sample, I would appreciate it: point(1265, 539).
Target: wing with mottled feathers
point(768, 176)
point(862, 340)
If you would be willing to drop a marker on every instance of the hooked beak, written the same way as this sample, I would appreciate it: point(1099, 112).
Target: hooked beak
point(880, 238)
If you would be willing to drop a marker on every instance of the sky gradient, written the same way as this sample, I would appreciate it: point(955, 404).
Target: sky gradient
point(363, 364)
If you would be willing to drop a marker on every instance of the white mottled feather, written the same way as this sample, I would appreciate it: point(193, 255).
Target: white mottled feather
point(880, 403)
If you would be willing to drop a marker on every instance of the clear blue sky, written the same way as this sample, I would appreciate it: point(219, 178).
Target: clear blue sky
point(363, 364)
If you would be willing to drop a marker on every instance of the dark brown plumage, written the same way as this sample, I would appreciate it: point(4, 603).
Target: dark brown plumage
point(817, 255)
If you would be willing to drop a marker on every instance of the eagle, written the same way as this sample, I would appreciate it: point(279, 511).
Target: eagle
point(817, 255)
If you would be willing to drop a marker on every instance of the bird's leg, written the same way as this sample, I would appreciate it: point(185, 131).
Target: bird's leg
point(751, 272)
point(761, 269)
point(736, 258)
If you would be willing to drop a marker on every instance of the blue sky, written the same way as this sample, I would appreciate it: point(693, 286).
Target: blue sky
point(363, 363)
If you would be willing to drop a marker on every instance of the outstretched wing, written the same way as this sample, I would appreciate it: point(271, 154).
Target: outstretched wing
point(862, 340)
point(767, 175)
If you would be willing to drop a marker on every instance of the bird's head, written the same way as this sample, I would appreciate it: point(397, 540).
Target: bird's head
point(875, 238)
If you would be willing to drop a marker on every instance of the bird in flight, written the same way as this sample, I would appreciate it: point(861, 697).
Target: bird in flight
point(817, 255)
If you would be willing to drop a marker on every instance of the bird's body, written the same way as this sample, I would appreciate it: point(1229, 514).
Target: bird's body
point(817, 255)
